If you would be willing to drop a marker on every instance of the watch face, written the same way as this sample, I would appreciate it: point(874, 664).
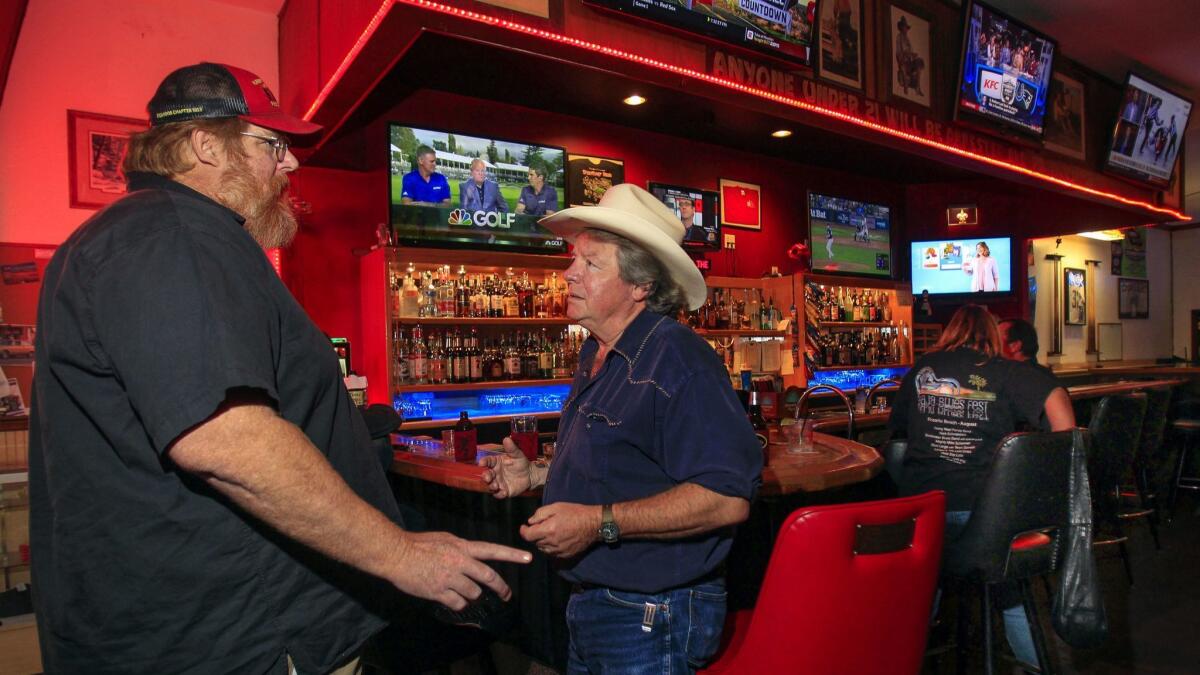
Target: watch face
point(609, 533)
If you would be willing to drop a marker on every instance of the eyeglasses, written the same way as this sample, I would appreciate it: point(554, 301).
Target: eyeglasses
point(280, 145)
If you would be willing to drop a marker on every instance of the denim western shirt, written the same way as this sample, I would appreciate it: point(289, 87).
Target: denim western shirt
point(659, 413)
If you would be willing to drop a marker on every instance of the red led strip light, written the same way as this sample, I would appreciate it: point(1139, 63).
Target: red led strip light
point(721, 82)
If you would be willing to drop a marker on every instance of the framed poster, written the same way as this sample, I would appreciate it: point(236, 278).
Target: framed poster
point(1133, 299)
point(588, 178)
point(95, 148)
point(911, 56)
point(740, 204)
point(1065, 121)
point(1075, 298)
point(840, 57)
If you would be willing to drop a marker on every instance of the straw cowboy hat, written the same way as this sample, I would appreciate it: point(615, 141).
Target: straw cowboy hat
point(633, 213)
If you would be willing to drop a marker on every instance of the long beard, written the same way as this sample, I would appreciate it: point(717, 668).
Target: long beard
point(265, 206)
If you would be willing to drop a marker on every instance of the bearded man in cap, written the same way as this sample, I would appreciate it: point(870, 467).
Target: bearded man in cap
point(656, 461)
point(204, 498)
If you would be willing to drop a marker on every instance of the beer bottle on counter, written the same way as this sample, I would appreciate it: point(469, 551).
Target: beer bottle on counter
point(465, 430)
point(759, 423)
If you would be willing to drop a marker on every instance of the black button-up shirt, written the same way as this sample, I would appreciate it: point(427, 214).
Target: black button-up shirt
point(150, 313)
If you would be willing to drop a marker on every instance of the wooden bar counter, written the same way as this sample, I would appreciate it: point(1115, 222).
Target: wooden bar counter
point(835, 462)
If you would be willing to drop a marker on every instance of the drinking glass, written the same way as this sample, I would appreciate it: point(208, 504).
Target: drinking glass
point(524, 433)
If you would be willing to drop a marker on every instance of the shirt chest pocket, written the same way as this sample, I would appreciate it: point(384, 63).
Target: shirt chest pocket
point(598, 436)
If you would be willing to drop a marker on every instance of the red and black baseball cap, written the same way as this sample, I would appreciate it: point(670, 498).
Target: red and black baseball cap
point(213, 91)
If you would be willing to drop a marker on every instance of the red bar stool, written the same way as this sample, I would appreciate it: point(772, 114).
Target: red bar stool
point(838, 573)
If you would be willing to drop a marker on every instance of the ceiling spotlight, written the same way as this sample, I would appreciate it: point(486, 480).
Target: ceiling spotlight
point(634, 100)
point(781, 133)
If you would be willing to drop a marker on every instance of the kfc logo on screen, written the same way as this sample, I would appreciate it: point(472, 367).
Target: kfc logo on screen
point(991, 84)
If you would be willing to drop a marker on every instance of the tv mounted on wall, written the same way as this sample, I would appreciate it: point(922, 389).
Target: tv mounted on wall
point(847, 236)
point(980, 266)
point(1004, 74)
point(782, 28)
point(697, 209)
point(1148, 134)
point(446, 205)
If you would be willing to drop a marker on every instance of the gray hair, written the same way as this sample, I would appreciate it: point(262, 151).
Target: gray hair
point(636, 266)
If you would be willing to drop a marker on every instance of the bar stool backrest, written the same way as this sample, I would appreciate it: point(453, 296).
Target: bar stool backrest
point(1115, 427)
point(839, 575)
point(1151, 456)
point(1026, 490)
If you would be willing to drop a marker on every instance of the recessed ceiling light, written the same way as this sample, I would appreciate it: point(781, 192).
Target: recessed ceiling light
point(781, 133)
point(634, 100)
point(1104, 235)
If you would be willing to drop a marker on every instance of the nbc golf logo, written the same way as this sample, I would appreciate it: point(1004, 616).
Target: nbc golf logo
point(493, 219)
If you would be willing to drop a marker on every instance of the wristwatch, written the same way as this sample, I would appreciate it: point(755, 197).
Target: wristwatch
point(609, 532)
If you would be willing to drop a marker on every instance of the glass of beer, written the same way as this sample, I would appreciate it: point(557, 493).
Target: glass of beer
point(524, 433)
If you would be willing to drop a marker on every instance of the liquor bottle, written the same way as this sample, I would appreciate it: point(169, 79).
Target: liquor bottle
point(474, 357)
point(525, 297)
point(512, 303)
point(494, 363)
point(885, 308)
point(408, 297)
point(759, 424)
point(545, 358)
point(437, 360)
point(459, 368)
point(529, 357)
point(418, 366)
point(512, 360)
point(722, 311)
point(399, 355)
point(561, 360)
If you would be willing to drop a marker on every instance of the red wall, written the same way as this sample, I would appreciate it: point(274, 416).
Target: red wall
point(347, 206)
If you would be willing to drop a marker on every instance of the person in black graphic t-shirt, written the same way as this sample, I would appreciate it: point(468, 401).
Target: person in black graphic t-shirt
point(955, 405)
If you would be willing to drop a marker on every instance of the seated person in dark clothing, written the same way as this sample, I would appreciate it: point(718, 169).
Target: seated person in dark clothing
point(1019, 342)
point(955, 405)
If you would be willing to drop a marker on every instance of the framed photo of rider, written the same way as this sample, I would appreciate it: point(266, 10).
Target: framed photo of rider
point(910, 55)
point(841, 43)
point(95, 149)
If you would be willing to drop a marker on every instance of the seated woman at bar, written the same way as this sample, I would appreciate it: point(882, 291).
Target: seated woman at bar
point(955, 405)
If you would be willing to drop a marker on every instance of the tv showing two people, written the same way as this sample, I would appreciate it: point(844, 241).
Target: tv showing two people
point(453, 189)
point(697, 210)
point(849, 236)
point(783, 28)
point(951, 266)
point(1005, 70)
point(1149, 133)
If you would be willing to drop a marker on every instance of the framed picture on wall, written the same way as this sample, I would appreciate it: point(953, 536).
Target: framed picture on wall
point(840, 54)
point(95, 147)
point(741, 204)
point(1075, 298)
point(1065, 119)
point(911, 56)
point(588, 178)
point(1133, 298)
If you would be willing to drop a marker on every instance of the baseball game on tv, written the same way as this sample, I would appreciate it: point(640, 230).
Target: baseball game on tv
point(962, 266)
point(849, 237)
point(454, 190)
point(1005, 74)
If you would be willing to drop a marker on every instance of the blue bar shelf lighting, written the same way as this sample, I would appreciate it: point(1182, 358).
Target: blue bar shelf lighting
point(446, 405)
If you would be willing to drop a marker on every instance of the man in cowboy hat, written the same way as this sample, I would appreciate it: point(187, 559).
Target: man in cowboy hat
point(656, 460)
point(203, 494)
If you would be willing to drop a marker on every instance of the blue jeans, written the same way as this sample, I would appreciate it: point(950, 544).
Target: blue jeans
point(621, 633)
point(1016, 622)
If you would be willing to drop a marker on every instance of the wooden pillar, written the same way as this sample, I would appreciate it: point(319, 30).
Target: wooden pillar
point(1056, 304)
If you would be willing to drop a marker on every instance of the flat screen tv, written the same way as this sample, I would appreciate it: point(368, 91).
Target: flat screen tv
point(697, 209)
point(782, 28)
point(1005, 72)
point(451, 190)
point(980, 266)
point(847, 236)
point(1148, 134)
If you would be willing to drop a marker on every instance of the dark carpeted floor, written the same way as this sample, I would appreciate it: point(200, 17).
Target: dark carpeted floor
point(1154, 624)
